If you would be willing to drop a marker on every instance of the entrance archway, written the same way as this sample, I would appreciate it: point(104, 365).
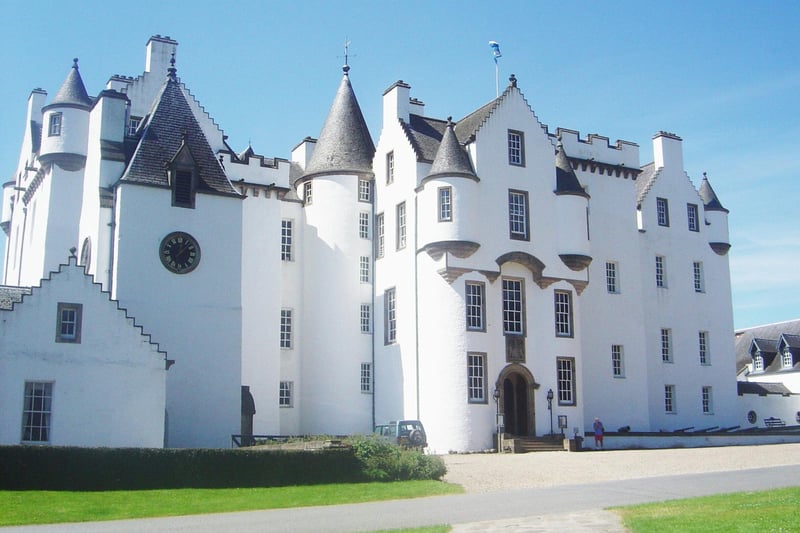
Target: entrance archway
point(517, 403)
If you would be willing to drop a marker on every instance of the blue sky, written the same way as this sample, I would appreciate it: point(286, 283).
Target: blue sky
point(722, 75)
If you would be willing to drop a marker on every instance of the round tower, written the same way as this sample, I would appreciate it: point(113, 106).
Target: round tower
point(571, 204)
point(716, 218)
point(65, 125)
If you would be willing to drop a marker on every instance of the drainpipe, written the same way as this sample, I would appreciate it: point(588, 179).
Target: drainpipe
point(22, 243)
point(111, 247)
point(416, 302)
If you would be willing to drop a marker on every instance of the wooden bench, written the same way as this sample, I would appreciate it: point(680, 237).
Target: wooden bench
point(774, 422)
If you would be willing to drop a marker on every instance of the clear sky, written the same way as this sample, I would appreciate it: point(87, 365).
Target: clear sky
point(725, 76)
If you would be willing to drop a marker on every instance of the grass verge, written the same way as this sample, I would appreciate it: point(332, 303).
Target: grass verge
point(774, 510)
point(51, 507)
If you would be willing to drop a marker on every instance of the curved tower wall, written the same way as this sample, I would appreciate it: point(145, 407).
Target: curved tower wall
point(572, 224)
point(717, 227)
point(465, 202)
point(71, 141)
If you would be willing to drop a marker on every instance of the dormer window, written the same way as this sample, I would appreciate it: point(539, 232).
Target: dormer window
point(758, 363)
point(183, 177)
point(133, 125)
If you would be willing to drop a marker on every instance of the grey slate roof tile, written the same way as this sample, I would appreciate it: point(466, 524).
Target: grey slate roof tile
point(762, 389)
point(710, 200)
point(772, 332)
point(72, 91)
point(566, 180)
point(451, 158)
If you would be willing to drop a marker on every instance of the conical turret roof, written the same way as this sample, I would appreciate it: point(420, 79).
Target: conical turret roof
point(345, 144)
point(710, 200)
point(451, 158)
point(72, 91)
point(566, 180)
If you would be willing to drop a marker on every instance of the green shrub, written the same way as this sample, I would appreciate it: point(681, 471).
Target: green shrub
point(384, 461)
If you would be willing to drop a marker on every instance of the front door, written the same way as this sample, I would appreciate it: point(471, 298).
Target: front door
point(515, 396)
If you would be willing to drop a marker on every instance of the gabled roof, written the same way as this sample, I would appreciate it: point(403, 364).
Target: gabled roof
point(345, 144)
point(789, 340)
point(451, 158)
point(744, 338)
point(566, 180)
point(167, 127)
point(424, 134)
point(468, 127)
point(765, 346)
point(710, 200)
point(72, 91)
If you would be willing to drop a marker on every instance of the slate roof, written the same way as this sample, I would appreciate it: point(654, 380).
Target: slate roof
point(566, 180)
point(710, 200)
point(771, 332)
point(11, 295)
point(761, 388)
point(425, 135)
point(345, 144)
point(646, 180)
point(72, 91)
point(169, 124)
point(451, 158)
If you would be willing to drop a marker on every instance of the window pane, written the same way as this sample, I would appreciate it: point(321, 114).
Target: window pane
point(445, 204)
point(476, 378)
point(37, 410)
point(286, 240)
point(512, 307)
point(563, 306)
point(566, 381)
point(518, 214)
point(474, 305)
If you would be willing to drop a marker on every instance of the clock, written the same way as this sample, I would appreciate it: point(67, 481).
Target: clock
point(179, 252)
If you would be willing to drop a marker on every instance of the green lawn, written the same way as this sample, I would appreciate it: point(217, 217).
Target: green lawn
point(773, 511)
point(49, 507)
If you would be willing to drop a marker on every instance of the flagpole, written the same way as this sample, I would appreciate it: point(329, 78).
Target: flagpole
point(495, 46)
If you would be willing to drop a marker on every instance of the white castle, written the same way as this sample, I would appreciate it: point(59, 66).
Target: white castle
point(452, 272)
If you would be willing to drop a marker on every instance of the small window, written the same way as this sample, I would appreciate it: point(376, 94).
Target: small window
point(286, 329)
point(366, 377)
point(563, 311)
point(787, 361)
point(363, 225)
point(513, 307)
point(68, 322)
point(518, 215)
point(617, 361)
point(566, 380)
point(702, 346)
point(54, 128)
point(475, 305)
point(183, 188)
point(612, 277)
point(380, 241)
point(286, 240)
point(390, 318)
point(133, 125)
point(308, 197)
point(758, 363)
point(389, 168)
point(285, 398)
point(692, 217)
point(37, 411)
point(697, 273)
point(707, 399)
point(661, 272)
point(363, 264)
point(666, 345)
point(662, 211)
point(516, 148)
point(445, 204)
point(669, 399)
point(364, 190)
point(366, 318)
point(401, 226)
point(476, 378)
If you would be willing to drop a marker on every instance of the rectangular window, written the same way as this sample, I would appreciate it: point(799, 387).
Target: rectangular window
point(363, 225)
point(563, 309)
point(475, 304)
point(366, 318)
point(612, 281)
point(390, 319)
point(183, 188)
point(37, 411)
point(285, 395)
point(54, 129)
point(513, 307)
point(364, 190)
point(308, 197)
point(662, 210)
point(476, 378)
point(516, 148)
point(758, 363)
point(708, 403)
point(669, 399)
point(445, 204)
point(286, 240)
point(697, 273)
point(133, 125)
point(389, 168)
point(363, 270)
point(366, 377)
point(401, 226)
point(286, 328)
point(666, 345)
point(566, 380)
point(702, 345)
point(787, 361)
point(692, 217)
point(661, 271)
point(518, 215)
point(380, 242)
point(68, 322)
point(617, 362)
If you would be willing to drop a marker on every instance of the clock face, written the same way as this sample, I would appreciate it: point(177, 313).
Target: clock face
point(179, 252)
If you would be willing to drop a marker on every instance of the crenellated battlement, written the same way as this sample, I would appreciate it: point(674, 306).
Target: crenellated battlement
point(254, 168)
point(598, 150)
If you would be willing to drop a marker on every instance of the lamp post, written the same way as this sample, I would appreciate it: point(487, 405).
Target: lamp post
point(496, 396)
point(550, 408)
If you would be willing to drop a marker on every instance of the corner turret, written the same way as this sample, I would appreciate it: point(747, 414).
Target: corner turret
point(572, 201)
point(716, 218)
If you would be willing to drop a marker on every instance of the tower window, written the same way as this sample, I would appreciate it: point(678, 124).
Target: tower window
point(54, 127)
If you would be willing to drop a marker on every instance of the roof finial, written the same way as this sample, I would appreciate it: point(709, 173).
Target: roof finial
point(75, 63)
point(172, 70)
point(346, 66)
point(512, 80)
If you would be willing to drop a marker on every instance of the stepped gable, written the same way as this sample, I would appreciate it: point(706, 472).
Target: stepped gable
point(73, 91)
point(646, 180)
point(451, 158)
point(710, 200)
point(345, 144)
point(566, 180)
point(425, 135)
point(167, 127)
point(467, 127)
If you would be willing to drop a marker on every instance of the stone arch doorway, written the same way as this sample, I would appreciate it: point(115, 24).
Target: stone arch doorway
point(517, 403)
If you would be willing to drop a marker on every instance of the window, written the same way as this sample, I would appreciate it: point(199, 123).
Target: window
point(612, 282)
point(68, 322)
point(363, 264)
point(285, 395)
point(363, 225)
point(286, 240)
point(364, 191)
point(662, 211)
point(183, 188)
point(666, 345)
point(133, 125)
point(366, 318)
point(390, 327)
point(617, 362)
point(669, 398)
point(366, 377)
point(54, 129)
point(513, 307)
point(566, 380)
point(401, 226)
point(708, 404)
point(661, 271)
point(37, 410)
point(380, 241)
point(697, 272)
point(702, 346)
point(308, 196)
point(758, 363)
point(476, 378)
point(475, 305)
point(389, 168)
point(445, 204)
point(516, 148)
point(518, 215)
point(691, 215)
point(286, 328)
point(563, 308)
point(787, 360)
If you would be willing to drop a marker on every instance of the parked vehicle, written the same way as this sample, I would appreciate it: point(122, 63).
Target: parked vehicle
point(406, 433)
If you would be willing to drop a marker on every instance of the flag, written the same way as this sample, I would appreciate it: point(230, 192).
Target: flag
point(495, 46)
